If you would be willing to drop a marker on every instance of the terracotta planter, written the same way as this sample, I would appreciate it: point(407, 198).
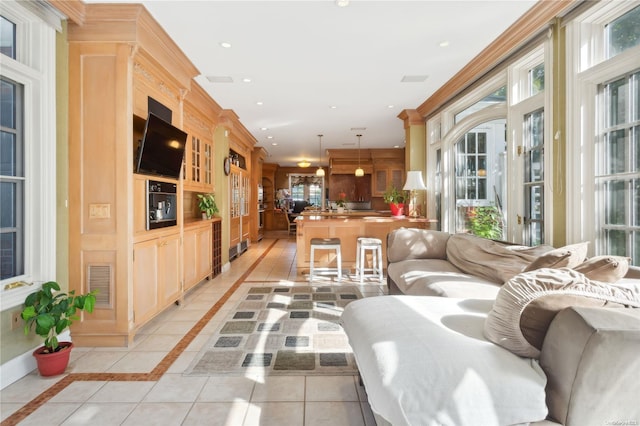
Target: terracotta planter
point(397, 209)
point(55, 363)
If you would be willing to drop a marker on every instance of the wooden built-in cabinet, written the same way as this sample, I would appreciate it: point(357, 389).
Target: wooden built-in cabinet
point(199, 152)
point(388, 170)
point(121, 62)
point(157, 277)
point(197, 253)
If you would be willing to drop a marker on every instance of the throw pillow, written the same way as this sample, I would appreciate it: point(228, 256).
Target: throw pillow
point(529, 294)
point(568, 256)
point(608, 269)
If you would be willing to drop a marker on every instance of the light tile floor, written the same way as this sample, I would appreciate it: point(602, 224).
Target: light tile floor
point(175, 399)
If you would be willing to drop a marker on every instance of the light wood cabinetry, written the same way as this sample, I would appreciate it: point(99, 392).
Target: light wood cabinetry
point(198, 259)
point(157, 278)
point(388, 170)
point(120, 62)
point(199, 153)
point(239, 203)
point(119, 58)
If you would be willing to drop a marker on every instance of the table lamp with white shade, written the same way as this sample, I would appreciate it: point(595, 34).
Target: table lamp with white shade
point(413, 183)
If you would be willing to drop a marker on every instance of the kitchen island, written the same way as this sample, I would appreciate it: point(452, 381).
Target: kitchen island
point(348, 227)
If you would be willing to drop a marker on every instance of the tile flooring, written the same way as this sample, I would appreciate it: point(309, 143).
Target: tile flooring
point(122, 386)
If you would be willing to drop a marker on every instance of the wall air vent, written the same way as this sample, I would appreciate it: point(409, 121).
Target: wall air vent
point(414, 78)
point(99, 278)
point(220, 79)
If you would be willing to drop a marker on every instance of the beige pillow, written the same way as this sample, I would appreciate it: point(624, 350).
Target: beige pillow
point(568, 256)
point(538, 296)
point(608, 269)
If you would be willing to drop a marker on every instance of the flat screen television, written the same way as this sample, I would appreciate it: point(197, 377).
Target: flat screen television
point(162, 149)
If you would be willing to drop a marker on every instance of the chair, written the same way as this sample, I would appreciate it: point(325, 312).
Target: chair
point(291, 222)
point(364, 244)
point(325, 244)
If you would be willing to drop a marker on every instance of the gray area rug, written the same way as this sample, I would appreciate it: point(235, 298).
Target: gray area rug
point(284, 330)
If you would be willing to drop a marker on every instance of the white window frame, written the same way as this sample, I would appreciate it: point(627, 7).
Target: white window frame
point(34, 68)
point(587, 68)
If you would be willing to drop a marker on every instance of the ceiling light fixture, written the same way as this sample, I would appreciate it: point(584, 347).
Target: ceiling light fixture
point(342, 3)
point(359, 171)
point(304, 164)
point(225, 44)
point(320, 171)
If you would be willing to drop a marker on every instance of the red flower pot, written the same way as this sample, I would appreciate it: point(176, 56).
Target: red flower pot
point(397, 209)
point(52, 364)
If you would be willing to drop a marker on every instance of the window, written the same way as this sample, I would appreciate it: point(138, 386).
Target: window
point(617, 177)
point(534, 178)
point(27, 149)
point(11, 180)
point(604, 155)
point(307, 188)
point(623, 33)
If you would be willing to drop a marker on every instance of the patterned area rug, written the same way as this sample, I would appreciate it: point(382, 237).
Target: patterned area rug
point(282, 330)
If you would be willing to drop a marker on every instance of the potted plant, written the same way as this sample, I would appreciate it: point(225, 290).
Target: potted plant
point(207, 205)
point(49, 314)
point(396, 199)
point(341, 201)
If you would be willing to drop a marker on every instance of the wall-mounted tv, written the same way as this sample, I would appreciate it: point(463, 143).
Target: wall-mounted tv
point(162, 149)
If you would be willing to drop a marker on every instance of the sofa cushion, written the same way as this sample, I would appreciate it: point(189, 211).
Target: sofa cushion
point(604, 268)
point(413, 243)
point(569, 256)
point(437, 277)
point(491, 260)
point(515, 300)
point(424, 361)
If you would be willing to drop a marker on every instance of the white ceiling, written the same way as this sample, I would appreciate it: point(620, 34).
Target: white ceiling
point(305, 57)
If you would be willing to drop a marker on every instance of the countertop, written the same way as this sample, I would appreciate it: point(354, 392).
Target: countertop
point(368, 217)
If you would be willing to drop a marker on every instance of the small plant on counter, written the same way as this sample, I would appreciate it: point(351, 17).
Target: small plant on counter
point(394, 196)
point(207, 204)
point(342, 199)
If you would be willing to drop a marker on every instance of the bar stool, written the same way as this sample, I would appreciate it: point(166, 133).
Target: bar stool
point(364, 244)
point(326, 244)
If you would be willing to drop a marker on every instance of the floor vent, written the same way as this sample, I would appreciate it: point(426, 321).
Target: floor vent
point(99, 278)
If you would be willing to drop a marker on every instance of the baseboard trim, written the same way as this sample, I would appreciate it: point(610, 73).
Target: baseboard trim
point(18, 367)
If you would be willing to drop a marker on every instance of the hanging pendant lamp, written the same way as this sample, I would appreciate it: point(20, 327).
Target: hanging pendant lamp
point(359, 171)
point(320, 171)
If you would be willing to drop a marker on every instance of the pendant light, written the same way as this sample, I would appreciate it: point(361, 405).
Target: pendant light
point(320, 171)
point(359, 171)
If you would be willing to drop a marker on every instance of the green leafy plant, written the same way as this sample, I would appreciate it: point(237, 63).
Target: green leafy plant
point(49, 314)
point(207, 204)
point(394, 196)
point(485, 222)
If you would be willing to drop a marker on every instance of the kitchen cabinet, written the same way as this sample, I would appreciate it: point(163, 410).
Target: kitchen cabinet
point(386, 177)
point(198, 156)
point(157, 281)
point(239, 213)
point(198, 260)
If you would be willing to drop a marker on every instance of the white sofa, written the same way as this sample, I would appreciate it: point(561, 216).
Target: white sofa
point(426, 360)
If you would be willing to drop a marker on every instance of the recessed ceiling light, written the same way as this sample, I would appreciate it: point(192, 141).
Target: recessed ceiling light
point(396, 146)
point(414, 78)
point(264, 128)
point(444, 43)
point(390, 106)
point(342, 3)
point(269, 137)
point(220, 79)
point(246, 80)
point(274, 143)
point(259, 103)
point(225, 44)
point(333, 107)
